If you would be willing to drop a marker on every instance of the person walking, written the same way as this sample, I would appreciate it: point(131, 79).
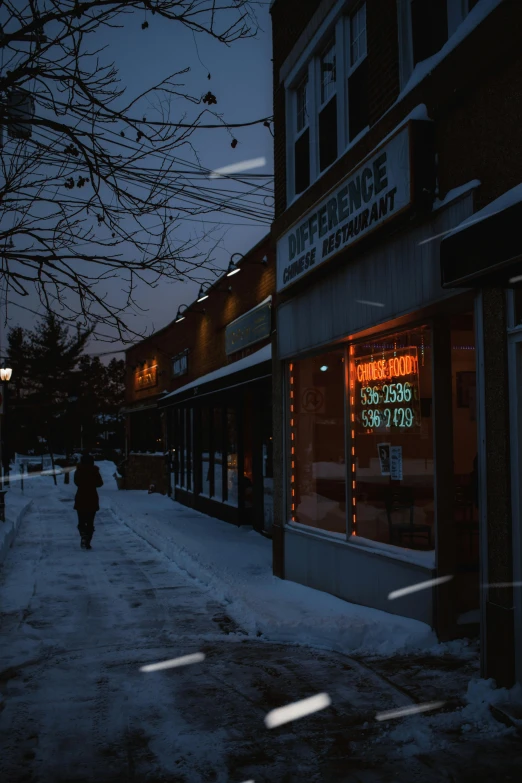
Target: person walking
point(86, 502)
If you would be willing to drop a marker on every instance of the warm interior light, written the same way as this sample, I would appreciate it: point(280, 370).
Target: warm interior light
point(5, 374)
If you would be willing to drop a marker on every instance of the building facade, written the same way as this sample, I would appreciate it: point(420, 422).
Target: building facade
point(396, 125)
point(199, 398)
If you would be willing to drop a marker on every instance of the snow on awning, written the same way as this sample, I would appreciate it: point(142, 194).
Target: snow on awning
point(263, 355)
point(486, 248)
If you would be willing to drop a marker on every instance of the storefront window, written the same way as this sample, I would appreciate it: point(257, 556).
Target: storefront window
point(517, 299)
point(205, 452)
point(188, 447)
point(317, 437)
point(232, 457)
point(217, 439)
point(465, 462)
point(392, 439)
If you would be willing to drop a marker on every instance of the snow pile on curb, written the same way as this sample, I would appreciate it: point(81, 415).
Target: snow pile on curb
point(235, 564)
point(413, 737)
point(16, 506)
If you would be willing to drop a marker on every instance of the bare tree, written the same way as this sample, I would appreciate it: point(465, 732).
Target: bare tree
point(92, 188)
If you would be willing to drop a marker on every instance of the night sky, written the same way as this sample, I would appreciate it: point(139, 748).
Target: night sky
point(241, 80)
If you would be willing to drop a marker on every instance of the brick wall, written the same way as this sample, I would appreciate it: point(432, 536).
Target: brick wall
point(204, 334)
point(143, 470)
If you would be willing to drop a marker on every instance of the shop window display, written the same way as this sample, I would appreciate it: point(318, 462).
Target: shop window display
point(317, 442)
point(392, 439)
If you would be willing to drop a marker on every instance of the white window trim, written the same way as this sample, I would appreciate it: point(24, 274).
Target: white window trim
point(350, 70)
point(337, 25)
point(457, 13)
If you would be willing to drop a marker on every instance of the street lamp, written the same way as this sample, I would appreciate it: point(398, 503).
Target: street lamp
point(5, 376)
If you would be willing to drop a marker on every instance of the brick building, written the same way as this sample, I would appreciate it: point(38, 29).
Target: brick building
point(198, 401)
point(395, 363)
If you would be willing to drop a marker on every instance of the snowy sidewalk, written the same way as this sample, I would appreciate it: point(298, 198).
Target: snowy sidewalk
point(16, 505)
point(236, 565)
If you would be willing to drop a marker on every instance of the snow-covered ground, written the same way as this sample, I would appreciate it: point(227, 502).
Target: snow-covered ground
point(162, 582)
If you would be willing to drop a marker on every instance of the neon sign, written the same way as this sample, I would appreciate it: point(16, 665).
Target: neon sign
point(387, 392)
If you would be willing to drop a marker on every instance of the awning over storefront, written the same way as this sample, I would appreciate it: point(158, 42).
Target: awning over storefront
point(138, 408)
point(243, 371)
point(486, 249)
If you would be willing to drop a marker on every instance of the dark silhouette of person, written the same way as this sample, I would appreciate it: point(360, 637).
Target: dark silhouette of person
point(86, 502)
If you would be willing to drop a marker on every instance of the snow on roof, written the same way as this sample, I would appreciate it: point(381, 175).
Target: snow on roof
point(472, 20)
point(266, 301)
point(263, 355)
point(455, 193)
point(507, 199)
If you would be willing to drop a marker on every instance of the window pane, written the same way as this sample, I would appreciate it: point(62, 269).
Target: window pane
point(392, 439)
point(188, 447)
point(232, 457)
point(429, 25)
point(317, 433)
point(358, 35)
point(465, 461)
point(205, 452)
point(181, 424)
point(328, 74)
point(358, 100)
point(218, 453)
point(517, 295)
point(328, 134)
point(302, 162)
point(302, 105)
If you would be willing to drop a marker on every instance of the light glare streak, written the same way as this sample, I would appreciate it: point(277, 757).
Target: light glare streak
point(413, 710)
point(503, 584)
point(419, 586)
point(372, 304)
point(173, 663)
point(296, 710)
point(235, 168)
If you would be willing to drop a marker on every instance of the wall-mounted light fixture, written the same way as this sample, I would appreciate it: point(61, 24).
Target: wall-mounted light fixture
point(203, 292)
point(182, 310)
point(233, 267)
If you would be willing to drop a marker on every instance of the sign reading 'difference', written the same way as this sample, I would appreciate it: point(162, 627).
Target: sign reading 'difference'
point(373, 193)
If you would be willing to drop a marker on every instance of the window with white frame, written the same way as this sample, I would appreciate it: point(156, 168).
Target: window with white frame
point(302, 137)
point(327, 119)
point(357, 73)
point(328, 100)
point(426, 25)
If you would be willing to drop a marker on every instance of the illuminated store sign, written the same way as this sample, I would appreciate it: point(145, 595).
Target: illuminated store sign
point(248, 329)
point(372, 194)
point(387, 393)
point(146, 378)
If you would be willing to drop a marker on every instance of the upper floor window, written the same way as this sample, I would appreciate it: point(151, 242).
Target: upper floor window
point(425, 27)
point(357, 73)
point(302, 137)
point(328, 101)
point(328, 108)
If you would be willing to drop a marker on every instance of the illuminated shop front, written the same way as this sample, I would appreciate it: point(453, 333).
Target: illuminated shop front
point(219, 432)
point(379, 404)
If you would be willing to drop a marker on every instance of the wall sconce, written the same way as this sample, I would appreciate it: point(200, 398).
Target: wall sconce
point(181, 314)
point(233, 267)
point(203, 292)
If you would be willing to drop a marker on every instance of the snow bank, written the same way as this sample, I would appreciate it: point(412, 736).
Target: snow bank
point(413, 737)
point(16, 505)
point(235, 565)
